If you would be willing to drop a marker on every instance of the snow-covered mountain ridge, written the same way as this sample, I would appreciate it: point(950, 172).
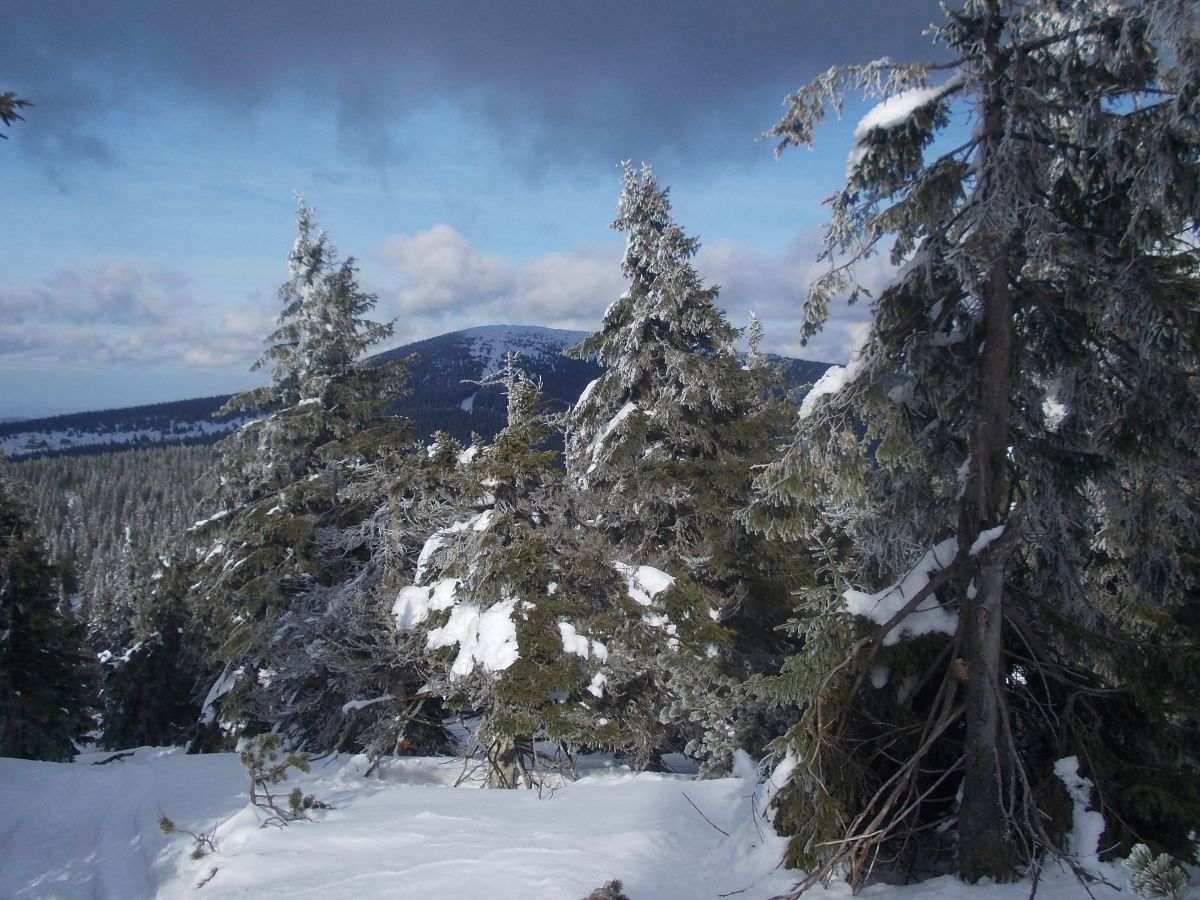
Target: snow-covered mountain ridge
point(179, 422)
point(490, 344)
point(443, 395)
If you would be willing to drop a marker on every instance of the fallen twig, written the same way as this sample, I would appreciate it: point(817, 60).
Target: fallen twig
point(113, 758)
point(704, 817)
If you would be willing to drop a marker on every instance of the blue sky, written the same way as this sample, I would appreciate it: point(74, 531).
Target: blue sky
point(465, 153)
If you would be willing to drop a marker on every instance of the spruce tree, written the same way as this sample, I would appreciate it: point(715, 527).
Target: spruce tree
point(319, 392)
point(337, 673)
point(47, 679)
point(530, 621)
point(661, 449)
point(1012, 540)
point(152, 691)
point(292, 476)
point(644, 437)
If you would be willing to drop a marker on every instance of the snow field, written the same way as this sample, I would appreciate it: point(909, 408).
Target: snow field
point(84, 831)
point(78, 830)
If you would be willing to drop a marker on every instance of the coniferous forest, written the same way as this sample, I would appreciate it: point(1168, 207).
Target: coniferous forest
point(925, 588)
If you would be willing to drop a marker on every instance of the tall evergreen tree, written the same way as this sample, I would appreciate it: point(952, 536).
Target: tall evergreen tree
point(339, 675)
point(319, 392)
point(662, 447)
point(290, 476)
point(644, 436)
point(47, 689)
point(152, 691)
point(1013, 539)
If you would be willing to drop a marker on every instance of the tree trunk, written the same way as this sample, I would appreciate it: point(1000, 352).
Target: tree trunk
point(504, 766)
point(985, 836)
point(502, 759)
point(985, 839)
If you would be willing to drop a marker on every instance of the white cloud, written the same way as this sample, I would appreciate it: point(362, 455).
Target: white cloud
point(239, 340)
point(774, 287)
point(442, 271)
point(115, 315)
point(447, 284)
point(114, 293)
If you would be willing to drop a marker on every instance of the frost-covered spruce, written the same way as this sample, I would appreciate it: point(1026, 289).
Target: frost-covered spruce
point(531, 623)
point(336, 673)
point(152, 690)
point(318, 392)
point(1014, 536)
point(661, 449)
point(674, 398)
point(298, 475)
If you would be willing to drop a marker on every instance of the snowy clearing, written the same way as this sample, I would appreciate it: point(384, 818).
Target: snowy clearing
point(80, 830)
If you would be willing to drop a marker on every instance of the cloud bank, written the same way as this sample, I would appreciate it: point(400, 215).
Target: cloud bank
point(554, 82)
point(118, 315)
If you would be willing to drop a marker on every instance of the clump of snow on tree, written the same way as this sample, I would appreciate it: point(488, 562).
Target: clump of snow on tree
point(643, 583)
point(834, 379)
point(929, 616)
point(414, 603)
point(486, 638)
point(890, 113)
point(605, 430)
point(437, 540)
point(574, 642)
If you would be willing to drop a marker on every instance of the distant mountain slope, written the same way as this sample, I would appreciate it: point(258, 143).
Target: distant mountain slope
point(101, 431)
point(443, 395)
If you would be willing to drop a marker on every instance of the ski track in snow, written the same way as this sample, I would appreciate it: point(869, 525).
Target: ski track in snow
point(75, 831)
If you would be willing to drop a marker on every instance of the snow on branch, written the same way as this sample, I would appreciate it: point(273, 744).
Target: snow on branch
point(893, 112)
point(927, 617)
point(909, 607)
point(834, 379)
point(806, 107)
point(486, 638)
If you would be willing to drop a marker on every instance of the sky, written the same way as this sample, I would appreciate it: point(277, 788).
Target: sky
point(466, 154)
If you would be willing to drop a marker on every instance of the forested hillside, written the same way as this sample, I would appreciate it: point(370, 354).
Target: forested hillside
point(86, 433)
point(444, 394)
point(111, 522)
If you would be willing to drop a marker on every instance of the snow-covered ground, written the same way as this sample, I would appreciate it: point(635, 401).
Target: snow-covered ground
point(86, 831)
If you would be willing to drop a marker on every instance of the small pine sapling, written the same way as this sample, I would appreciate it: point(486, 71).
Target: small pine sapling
point(1155, 877)
point(260, 756)
point(205, 843)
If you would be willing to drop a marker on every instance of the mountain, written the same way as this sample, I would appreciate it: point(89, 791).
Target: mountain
point(444, 395)
point(102, 431)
